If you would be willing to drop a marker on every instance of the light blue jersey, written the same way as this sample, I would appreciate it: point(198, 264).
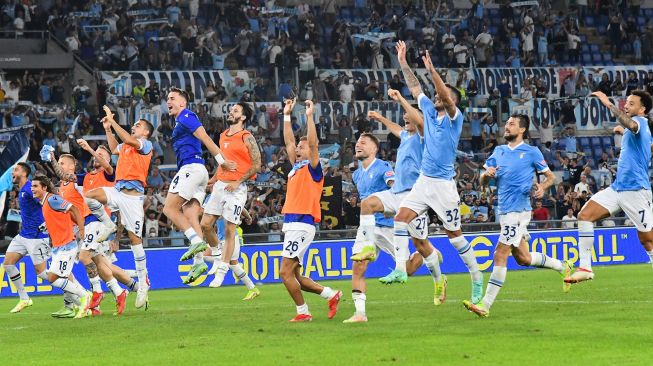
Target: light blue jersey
point(515, 172)
point(372, 180)
point(409, 158)
point(441, 136)
point(632, 168)
point(188, 148)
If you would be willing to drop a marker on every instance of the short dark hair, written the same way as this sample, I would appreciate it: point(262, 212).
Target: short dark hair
point(374, 139)
point(182, 92)
point(247, 110)
point(149, 125)
point(455, 91)
point(524, 121)
point(26, 168)
point(645, 98)
point(44, 181)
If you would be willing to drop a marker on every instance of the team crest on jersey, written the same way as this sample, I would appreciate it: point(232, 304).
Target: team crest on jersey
point(521, 155)
point(226, 144)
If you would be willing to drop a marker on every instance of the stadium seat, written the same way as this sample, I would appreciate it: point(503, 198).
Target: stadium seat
point(596, 141)
point(607, 142)
point(594, 47)
point(596, 57)
point(584, 142)
point(589, 21)
point(607, 56)
point(584, 48)
point(641, 21)
point(587, 58)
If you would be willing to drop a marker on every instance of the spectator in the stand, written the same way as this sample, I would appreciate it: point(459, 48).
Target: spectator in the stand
point(648, 82)
point(448, 39)
point(346, 91)
point(617, 86)
point(475, 127)
point(461, 52)
point(345, 132)
point(616, 33)
point(569, 220)
point(322, 129)
point(542, 49)
point(632, 83)
point(483, 46)
point(605, 85)
point(397, 84)
point(268, 150)
point(582, 186)
point(155, 180)
point(490, 134)
point(573, 43)
point(541, 214)
point(81, 93)
point(472, 93)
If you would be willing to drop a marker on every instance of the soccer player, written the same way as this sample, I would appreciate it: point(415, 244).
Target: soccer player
point(101, 176)
point(70, 190)
point(127, 195)
point(435, 187)
point(60, 217)
point(187, 191)
point(229, 193)
point(30, 241)
point(513, 166)
point(631, 190)
point(301, 212)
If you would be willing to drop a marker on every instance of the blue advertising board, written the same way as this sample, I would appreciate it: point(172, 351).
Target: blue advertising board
point(329, 260)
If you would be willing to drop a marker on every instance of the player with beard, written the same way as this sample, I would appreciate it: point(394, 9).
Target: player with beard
point(183, 204)
point(435, 187)
point(514, 166)
point(229, 193)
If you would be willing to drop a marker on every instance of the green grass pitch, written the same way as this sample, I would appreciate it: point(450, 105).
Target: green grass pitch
point(603, 322)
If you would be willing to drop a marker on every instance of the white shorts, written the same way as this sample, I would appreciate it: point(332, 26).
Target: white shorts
point(63, 259)
point(229, 205)
point(635, 204)
point(297, 239)
point(440, 195)
point(37, 249)
point(384, 240)
point(92, 230)
point(418, 228)
point(130, 207)
point(235, 256)
point(514, 227)
point(190, 182)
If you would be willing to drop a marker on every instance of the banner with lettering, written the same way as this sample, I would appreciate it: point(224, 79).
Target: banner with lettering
point(329, 260)
point(332, 202)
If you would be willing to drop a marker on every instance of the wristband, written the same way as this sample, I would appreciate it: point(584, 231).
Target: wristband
point(286, 118)
point(219, 159)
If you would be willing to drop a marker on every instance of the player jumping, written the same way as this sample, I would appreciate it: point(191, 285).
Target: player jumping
point(631, 190)
point(301, 212)
point(514, 166)
point(127, 195)
point(435, 187)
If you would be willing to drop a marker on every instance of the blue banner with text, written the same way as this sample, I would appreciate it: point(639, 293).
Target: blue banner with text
point(329, 260)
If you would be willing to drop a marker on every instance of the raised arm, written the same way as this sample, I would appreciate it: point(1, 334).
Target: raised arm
point(394, 128)
point(103, 163)
point(413, 113)
point(124, 136)
point(58, 170)
point(440, 87)
point(288, 137)
point(311, 134)
point(411, 80)
point(204, 137)
point(621, 117)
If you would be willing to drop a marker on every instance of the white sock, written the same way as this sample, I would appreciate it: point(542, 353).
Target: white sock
point(433, 264)
point(327, 293)
point(192, 236)
point(70, 300)
point(17, 280)
point(543, 261)
point(359, 302)
point(69, 286)
point(240, 273)
point(133, 285)
point(367, 226)
point(497, 278)
point(650, 254)
point(43, 275)
point(585, 244)
point(96, 284)
point(113, 285)
point(198, 258)
point(223, 268)
point(302, 309)
point(97, 209)
point(402, 254)
point(141, 264)
point(466, 252)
